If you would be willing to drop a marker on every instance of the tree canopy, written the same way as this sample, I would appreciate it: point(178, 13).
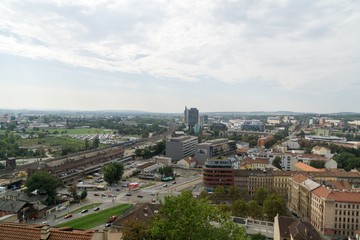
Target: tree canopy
point(277, 162)
point(113, 172)
point(183, 217)
point(166, 171)
point(45, 184)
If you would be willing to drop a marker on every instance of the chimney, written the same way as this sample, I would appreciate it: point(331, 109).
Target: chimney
point(106, 234)
point(45, 233)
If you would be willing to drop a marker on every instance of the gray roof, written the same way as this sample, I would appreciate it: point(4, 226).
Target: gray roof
point(32, 198)
point(310, 184)
point(12, 206)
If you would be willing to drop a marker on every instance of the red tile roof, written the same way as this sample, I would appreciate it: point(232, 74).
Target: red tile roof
point(339, 196)
point(299, 178)
point(20, 231)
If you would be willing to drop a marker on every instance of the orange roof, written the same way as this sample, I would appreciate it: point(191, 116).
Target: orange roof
point(339, 196)
point(306, 168)
point(20, 231)
point(299, 178)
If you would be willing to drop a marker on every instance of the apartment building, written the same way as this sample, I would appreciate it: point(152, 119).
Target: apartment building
point(294, 192)
point(250, 180)
point(255, 164)
point(335, 212)
point(281, 181)
point(180, 147)
point(305, 189)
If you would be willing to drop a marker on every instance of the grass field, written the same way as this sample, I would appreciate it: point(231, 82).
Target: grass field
point(74, 131)
point(94, 219)
point(52, 142)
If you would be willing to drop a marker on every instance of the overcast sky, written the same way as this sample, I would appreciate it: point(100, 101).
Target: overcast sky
point(161, 56)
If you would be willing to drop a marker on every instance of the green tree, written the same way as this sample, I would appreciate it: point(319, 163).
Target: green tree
point(219, 194)
point(239, 208)
point(136, 230)
point(317, 163)
point(83, 194)
point(96, 142)
point(113, 172)
point(277, 162)
point(254, 210)
point(45, 184)
point(73, 191)
point(224, 207)
point(274, 204)
point(166, 171)
point(257, 236)
point(260, 195)
point(183, 217)
point(86, 144)
point(2, 166)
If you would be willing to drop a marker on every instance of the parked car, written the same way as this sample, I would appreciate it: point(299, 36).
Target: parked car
point(84, 210)
point(140, 196)
point(165, 185)
point(96, 194)
point(104, 195)
point(174, 182)
point(128, 194)
point(96, 209)
point(67, 216)
point(108, 225)
point(111, 219)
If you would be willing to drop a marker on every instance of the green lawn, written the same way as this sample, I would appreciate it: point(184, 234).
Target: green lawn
point(73, 131)
point(52, 142)
point(94, 219)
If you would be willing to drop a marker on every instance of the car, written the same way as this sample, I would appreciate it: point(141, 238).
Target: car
point(128, 194)
point(45, 223)
point(117, 189)
point(108, 225)
point(84, 210)
point(153, 200)
point(111, 219)
point(96, 209)
point(152, 194)
point(104, 195)
point(96, 194)
point(67, 216)
point(174, 182)
point(140, 196)
point(165, 185)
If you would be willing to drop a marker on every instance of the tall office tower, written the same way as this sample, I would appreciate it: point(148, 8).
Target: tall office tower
point(186, 115)
point(193, 117)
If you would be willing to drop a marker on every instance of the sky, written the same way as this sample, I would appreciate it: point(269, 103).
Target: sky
point(160, 56)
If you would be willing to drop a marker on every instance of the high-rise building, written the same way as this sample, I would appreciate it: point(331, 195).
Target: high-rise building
point(191, 117)
point(186, 115)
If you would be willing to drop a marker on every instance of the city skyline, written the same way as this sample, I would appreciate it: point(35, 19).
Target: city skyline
point(161, 56)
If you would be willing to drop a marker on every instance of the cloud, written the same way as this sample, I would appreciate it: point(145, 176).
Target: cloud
point(296, 46)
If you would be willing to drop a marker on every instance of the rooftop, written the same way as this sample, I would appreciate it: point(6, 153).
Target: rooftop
point(338, 196)
point(19, 231)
